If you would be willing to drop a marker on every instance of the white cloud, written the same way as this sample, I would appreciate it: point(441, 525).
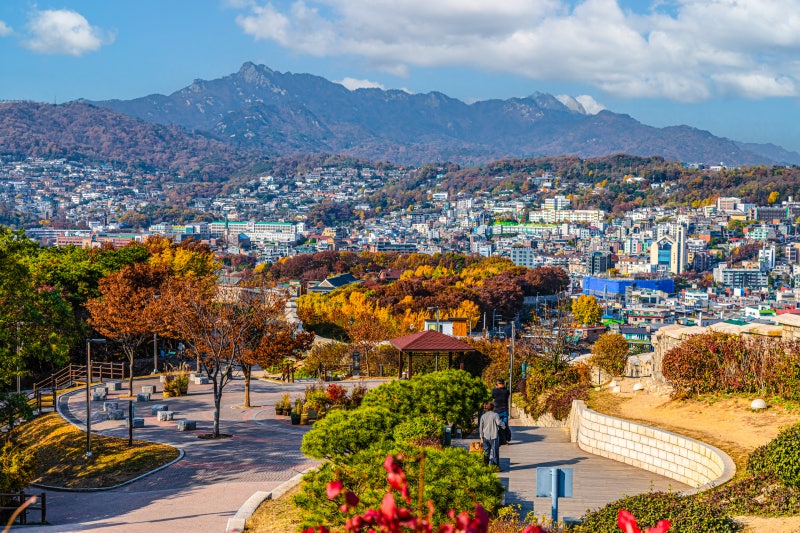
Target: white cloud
point(64, 32)
point(688, 50)
point(591, 106)
point(353, 84)
point(5, 29)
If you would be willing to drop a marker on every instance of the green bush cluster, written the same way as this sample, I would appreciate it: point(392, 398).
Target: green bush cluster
point(453, 396)
point(400, 417)
point(779, 457)
point(419, 431)
point(452, 479)
point(688, 514)
point(342, 433)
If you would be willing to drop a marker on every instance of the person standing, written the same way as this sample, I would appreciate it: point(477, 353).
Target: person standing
point(489, 429)
point(500, 396)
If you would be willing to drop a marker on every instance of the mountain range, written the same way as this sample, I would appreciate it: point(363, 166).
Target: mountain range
point(257, 112)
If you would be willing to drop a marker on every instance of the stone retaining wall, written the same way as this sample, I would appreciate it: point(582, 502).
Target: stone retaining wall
point(689, 461)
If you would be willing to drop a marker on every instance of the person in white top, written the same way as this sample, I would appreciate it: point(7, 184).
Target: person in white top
point(489, 429)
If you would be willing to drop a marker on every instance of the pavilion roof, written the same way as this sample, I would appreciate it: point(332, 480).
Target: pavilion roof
point(430, 341)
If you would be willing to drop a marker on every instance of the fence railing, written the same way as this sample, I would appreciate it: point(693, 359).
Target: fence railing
point(73, 374)
point(10, 502)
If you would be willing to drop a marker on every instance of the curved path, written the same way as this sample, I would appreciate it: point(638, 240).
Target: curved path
point(205, 488)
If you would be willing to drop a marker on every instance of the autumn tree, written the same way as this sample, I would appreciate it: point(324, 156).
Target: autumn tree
point(126, 308)
point(586, 310)
point(610, 353)
point(271, 337)
point(214, 326)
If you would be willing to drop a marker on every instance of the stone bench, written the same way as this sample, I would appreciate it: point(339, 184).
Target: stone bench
point(137, 422)
point(187, 425)
point(116, 414)
point(114, 385)
point(158, 407)
point(164, 416)
point(201, 380)
point(110, 405)
point(149, 389)
point(143, 397)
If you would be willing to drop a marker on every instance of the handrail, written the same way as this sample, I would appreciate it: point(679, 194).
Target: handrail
point(77, 373)
point(21, 498)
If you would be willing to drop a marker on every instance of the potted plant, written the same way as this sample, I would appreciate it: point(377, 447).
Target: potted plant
point(169, 385)
point(284, 405)
point(297, 411)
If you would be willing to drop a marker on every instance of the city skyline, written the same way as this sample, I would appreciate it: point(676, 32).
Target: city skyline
point(716, 65)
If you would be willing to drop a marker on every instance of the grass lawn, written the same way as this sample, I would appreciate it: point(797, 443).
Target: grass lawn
point(60, 447)
point(276, 516)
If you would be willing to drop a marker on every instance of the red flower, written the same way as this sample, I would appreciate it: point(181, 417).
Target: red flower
point(334, 489)
point(627, 523)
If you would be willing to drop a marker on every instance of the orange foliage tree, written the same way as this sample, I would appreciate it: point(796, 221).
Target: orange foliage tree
point(271, 337)
point(126, 308)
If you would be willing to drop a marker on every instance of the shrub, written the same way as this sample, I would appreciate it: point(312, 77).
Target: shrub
point(453, 479)
point(18, 470)
point(558, 401)
point(336, 394)
point(453, 396)
point(687, 514)
point(419, 431)
point(357, 396)
point(780, 457)
point(344, 433)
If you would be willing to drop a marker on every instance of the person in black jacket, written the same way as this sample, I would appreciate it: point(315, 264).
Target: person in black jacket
point(500, 396)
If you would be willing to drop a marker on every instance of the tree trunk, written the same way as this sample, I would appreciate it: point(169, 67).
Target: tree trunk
point(130, 372)
point(217, 403)
point(247, 371)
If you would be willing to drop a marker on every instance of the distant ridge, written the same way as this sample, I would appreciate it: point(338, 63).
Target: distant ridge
point(225, 125)
point(284, 113)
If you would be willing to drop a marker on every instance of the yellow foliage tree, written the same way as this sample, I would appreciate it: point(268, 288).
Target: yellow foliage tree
point(586, 310)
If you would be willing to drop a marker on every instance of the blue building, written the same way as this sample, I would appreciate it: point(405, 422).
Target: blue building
point(615, 287)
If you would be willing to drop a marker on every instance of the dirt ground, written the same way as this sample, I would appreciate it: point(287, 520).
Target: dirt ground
point(727, 423)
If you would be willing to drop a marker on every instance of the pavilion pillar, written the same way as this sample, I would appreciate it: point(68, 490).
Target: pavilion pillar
point(409, 365)
point(450, 361)
point(399, 364)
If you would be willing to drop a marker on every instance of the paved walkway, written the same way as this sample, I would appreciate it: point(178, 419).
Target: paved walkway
point(205, 488)
point(596, 480)
point(200, 492)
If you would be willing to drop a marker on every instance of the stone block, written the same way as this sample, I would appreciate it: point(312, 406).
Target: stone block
point(110, 405)
point(98, 396)
point(164, 416)
point(162, 378)
point(201, 380)
point(187, 425)
point(114, 385)
point(143, 397)
point(137, 422)
point(116, 414)
point(149, 388)
point(159, 407)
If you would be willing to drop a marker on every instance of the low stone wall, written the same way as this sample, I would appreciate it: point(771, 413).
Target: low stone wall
point(689, 461)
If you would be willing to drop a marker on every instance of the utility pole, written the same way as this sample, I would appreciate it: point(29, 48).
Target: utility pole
point(511, 370)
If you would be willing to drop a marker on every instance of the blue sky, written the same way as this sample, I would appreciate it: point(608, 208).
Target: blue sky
point(727, 66)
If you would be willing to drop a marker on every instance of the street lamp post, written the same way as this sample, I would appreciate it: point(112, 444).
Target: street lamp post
point(19, 348)
point(88, 393)
point(511, 371)
point(155, 353)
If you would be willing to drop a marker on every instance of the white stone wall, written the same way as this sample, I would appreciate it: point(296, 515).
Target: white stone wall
point(689, 461)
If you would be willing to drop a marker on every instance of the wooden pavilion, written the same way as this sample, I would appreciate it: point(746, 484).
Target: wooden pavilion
point(429, 342)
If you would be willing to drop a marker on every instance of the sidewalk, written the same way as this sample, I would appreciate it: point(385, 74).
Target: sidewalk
point(597, 481)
